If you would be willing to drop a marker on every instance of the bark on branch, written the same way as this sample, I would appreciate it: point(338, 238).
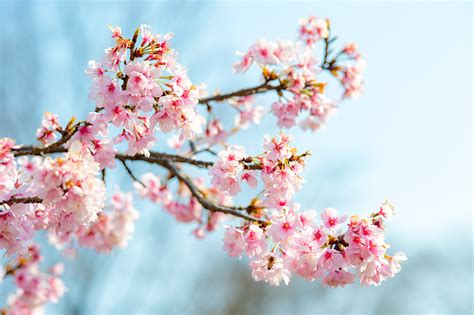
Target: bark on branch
point(262, 88)
point(164, 160)
point(206, 203)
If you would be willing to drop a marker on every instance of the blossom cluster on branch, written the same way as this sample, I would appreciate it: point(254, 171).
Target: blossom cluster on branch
point(141, 92)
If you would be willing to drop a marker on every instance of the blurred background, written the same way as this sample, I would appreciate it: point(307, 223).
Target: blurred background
point(407, 139)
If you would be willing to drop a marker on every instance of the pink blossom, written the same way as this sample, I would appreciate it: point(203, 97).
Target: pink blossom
point(269, 268)
point(244, 64)
point(264, 52)
point(250, 179)
point(16, 229)
point(175, 142)
point(95, 70)
point(370, 272)
point(386, 210)
point(286, 113)
point(70, 184)
point(338, 278)
point(104, 153)
point(277, 148)
point(215, 132)
point(147, 35)
point(226, 171)
point(313, 29)
point(394, 262)
point(116, 31)
point(255, 240)
point(153, 189)
point(306, 218)
point(234, 241)
point(114, 56)
point(46, 134)
point(330, 218)
point(248, 114)
point(283, 226)
point(185, 212)
point(35, 288)
point(214, 219)
point(331, 260)
point(141, 89)
point(351, 49)
point(114, 227)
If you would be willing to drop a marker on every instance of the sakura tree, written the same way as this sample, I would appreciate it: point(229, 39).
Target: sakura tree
point(142, 96)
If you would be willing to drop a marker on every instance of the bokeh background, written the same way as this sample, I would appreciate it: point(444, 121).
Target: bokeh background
point(407, 139)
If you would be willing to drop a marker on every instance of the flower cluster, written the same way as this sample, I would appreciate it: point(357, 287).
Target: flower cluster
point(139, 91)
point(313, 29)
point(350, 74)
point(227, 171)
point(294, 242)
point(71, 190)
point(279, 169)
point(8, 170)
point(293, 67)
point(147, 92)
point(112, 228)
point(46, 133)
point(247, 112)
point(35, 288)
point(17, 228)
point(71, 198)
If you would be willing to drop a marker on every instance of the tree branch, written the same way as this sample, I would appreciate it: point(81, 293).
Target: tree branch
point(164, 160)
point(56, 147)
point(13, 200)
point(262, 88)
point(206, 203)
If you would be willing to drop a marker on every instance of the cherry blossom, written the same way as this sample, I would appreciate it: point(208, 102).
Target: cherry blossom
point(153, 189)
point(269, 268)
point(144, 99)
point(225, 172)
point(330, 218)
point(234, 241)
point(247, 112)
point(113, 228)
point(35, 288)
point(313, 29)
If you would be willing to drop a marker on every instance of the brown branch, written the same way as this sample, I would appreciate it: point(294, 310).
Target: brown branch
point(327, 64)
point(262, 88)
point(154, 156)
point(164, 160)
point(206, 203)
point(13, 200)
point(56, 147)
point(157, 158)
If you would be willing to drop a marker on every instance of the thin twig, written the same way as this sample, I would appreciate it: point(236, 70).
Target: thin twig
point(129, 171)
